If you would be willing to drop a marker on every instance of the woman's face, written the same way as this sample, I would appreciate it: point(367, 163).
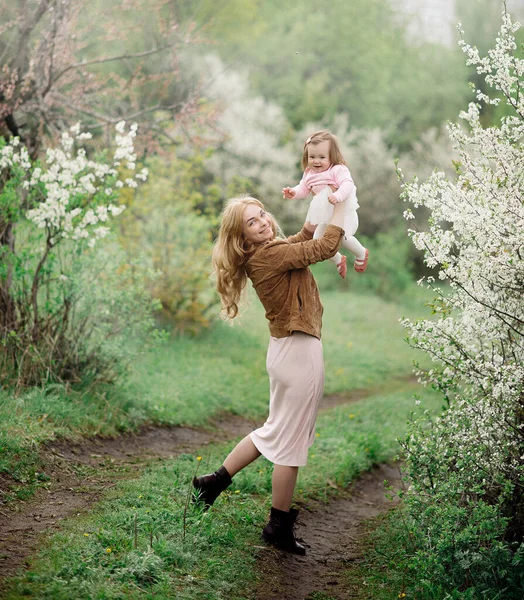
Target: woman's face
point(256, 225)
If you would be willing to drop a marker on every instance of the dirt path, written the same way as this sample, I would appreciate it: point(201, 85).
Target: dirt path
point(333, 535)
point(80, 473)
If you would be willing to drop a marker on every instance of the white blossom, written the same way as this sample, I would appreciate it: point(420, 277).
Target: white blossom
point(67, 180)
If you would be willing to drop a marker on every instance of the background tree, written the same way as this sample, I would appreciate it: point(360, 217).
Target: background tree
point(99, 62)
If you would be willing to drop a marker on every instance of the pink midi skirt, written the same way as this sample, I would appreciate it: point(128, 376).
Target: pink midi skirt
point(295, 365)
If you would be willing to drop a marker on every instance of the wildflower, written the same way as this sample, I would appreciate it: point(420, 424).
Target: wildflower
point(86, 535)
point(351, 416)
point(109, 550)
point(199, 458)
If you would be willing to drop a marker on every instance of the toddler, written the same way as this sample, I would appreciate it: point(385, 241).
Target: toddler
point(329, 180)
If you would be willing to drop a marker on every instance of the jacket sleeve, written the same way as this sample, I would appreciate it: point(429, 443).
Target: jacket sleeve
point(301, 236)
point(285, 256)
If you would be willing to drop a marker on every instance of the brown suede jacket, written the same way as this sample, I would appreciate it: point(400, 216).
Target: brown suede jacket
point(285, 285)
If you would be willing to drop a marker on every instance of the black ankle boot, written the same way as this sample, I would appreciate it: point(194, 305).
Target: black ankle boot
point(279, 531)
point(209, 487)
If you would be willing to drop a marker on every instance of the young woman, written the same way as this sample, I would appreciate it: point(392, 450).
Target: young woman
point(248, 247)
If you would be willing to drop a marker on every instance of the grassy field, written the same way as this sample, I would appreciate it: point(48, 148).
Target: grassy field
point(145, 541)
point(190, 379)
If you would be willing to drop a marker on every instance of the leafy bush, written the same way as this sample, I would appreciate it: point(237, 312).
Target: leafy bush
point(167, 234)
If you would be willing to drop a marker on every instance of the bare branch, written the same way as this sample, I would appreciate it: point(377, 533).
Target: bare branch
point(97, 61)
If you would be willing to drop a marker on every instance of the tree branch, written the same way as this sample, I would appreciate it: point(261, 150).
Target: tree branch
point(97, 61)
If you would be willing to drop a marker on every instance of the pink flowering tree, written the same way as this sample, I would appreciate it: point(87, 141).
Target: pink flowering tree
point(467, 466)
point(65, 61)
point(60, 208)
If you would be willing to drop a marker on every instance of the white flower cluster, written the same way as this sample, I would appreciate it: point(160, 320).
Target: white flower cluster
point(14, 154)
point(69, 186)
point(475, 239)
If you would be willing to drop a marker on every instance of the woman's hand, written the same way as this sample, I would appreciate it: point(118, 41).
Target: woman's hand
point(310, 227)
point(338, 215)
point(333, 199)
point(288, 192)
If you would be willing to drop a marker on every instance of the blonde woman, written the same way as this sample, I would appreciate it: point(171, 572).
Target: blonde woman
point(249, 247)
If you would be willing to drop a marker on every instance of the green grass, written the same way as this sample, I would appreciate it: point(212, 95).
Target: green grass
point(183, 553)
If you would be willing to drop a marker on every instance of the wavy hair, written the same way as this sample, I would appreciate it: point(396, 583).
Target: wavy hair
point(335, 155)
point(231, 252)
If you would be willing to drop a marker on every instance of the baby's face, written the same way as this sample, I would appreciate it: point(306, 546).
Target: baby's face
point(318, 156)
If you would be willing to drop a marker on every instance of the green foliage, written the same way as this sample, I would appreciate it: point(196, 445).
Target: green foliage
point(446, 551)
point(389, 273)
point(167, 232)
point(93, 320)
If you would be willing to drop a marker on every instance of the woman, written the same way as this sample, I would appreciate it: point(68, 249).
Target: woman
point(248, 247)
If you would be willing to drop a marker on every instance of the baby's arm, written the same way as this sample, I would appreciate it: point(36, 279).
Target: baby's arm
point(345, 184)
point(299, 191)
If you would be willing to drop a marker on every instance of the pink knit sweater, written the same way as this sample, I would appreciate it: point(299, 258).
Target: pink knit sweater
point(337, 176)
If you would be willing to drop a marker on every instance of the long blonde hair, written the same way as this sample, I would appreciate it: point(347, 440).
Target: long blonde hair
point(335, 155)
point(231, 252)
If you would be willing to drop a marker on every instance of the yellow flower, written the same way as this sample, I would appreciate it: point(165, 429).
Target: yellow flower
point(237, 491)
point(140, 496)
point(351, 416)
point(317, 434)
point(339, 371)
point(86, 535)
point(109, 550)
point(402, 595)
point(199, 458)
point(349, 344)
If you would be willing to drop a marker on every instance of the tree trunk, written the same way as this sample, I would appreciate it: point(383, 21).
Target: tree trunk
point(7, 304)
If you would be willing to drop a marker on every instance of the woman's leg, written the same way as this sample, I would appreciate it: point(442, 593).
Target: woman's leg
point(283, 486)
point(244, 453)
point(209, 487)
point(280, 529)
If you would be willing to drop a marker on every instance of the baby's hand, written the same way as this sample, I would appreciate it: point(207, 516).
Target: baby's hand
point(333, 199)
point(287, 192)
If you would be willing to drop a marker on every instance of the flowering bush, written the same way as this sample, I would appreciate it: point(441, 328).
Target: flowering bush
point(57, 210)
point(466, 468)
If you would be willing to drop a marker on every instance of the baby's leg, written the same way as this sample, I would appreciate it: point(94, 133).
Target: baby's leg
point(339, 260)
point(353, 245)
